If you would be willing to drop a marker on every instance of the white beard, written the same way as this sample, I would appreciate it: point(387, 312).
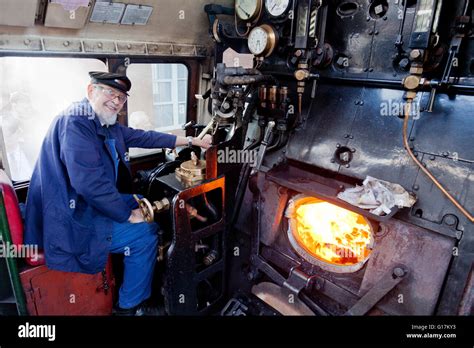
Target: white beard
point(108, 120)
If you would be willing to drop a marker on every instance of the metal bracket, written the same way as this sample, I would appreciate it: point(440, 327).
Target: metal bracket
point(297, 280)
point(378, 291)
point(234, 308)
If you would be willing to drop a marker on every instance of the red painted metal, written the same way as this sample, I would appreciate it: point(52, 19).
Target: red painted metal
point(15, 222)
point(51, 292)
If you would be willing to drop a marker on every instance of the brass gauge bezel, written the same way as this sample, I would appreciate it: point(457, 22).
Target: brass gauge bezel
point(272, 40)
point(281, 15)
point(253, 16)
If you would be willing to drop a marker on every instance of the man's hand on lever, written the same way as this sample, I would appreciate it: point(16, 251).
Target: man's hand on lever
point(136, 216)
point(205, 142)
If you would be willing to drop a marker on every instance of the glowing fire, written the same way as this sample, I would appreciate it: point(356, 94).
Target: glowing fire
point(331, 233)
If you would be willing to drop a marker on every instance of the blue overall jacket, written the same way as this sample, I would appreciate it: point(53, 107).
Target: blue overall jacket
point(73, 198)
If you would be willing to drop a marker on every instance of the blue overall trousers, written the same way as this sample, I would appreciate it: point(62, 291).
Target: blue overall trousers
point(138, 243)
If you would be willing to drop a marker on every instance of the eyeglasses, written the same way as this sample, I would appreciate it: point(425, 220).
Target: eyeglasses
point(111, 94)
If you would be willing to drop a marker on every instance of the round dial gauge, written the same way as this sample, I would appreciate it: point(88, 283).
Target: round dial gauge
point(277, 7)
point(262, 40)
point(248, 10)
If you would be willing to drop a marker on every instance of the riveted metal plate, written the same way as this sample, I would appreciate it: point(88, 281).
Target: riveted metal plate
point(99, 46)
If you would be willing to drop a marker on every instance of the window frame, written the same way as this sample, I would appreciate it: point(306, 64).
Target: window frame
point(3, 150)
point(116, 63)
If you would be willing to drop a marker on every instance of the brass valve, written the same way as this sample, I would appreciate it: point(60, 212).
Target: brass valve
point(149, 210)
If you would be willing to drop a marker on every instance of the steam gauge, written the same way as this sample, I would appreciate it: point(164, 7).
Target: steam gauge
point(262, 40)
point(277, 8)
point(248, 10)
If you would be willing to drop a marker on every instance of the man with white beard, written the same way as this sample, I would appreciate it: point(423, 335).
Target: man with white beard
point(79, 205)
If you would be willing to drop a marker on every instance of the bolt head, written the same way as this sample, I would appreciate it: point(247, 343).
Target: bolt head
point(398, 272)
point(450, 220)
point(415, 54)
point(404, 64)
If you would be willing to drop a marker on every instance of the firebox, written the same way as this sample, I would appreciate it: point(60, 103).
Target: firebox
point(336, 239)
point(336, 259)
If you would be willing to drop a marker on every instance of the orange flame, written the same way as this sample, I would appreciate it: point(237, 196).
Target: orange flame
point(331, 233)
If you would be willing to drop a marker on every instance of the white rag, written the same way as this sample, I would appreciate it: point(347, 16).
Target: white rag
point(378, 195)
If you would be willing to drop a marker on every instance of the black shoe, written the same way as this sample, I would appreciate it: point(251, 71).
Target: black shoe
point(141, 310)
point(144, 310)
point(124, 312)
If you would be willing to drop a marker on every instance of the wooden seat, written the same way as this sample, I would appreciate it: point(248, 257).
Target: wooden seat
point(50, 292)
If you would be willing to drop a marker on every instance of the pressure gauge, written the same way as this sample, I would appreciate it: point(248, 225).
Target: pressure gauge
point(262, 40)
point(248, 10)
point(276, 8)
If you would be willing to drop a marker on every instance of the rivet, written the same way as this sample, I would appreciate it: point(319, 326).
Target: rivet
point(27, 42)
point(416, 187)
point(99, 45)
point(66, 43)
point(129, 46)
point(338, 145)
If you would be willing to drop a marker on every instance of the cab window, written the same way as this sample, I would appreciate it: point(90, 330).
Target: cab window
point(158, 99)
point(34, 90)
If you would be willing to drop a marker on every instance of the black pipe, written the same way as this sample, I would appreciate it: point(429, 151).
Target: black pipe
point(245, 79)
point(258, 141)
point(394, 84)
point(242, 187)
point(276, 143)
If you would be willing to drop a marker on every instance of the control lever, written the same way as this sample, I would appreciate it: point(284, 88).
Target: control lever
point(188, 125)
point(399, 41)
point(193, 213)
point(263, 146)
point(206, 129)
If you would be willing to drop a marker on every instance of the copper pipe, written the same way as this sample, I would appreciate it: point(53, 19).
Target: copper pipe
point(263, 95)
point(273, 97)
point(426, 171)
